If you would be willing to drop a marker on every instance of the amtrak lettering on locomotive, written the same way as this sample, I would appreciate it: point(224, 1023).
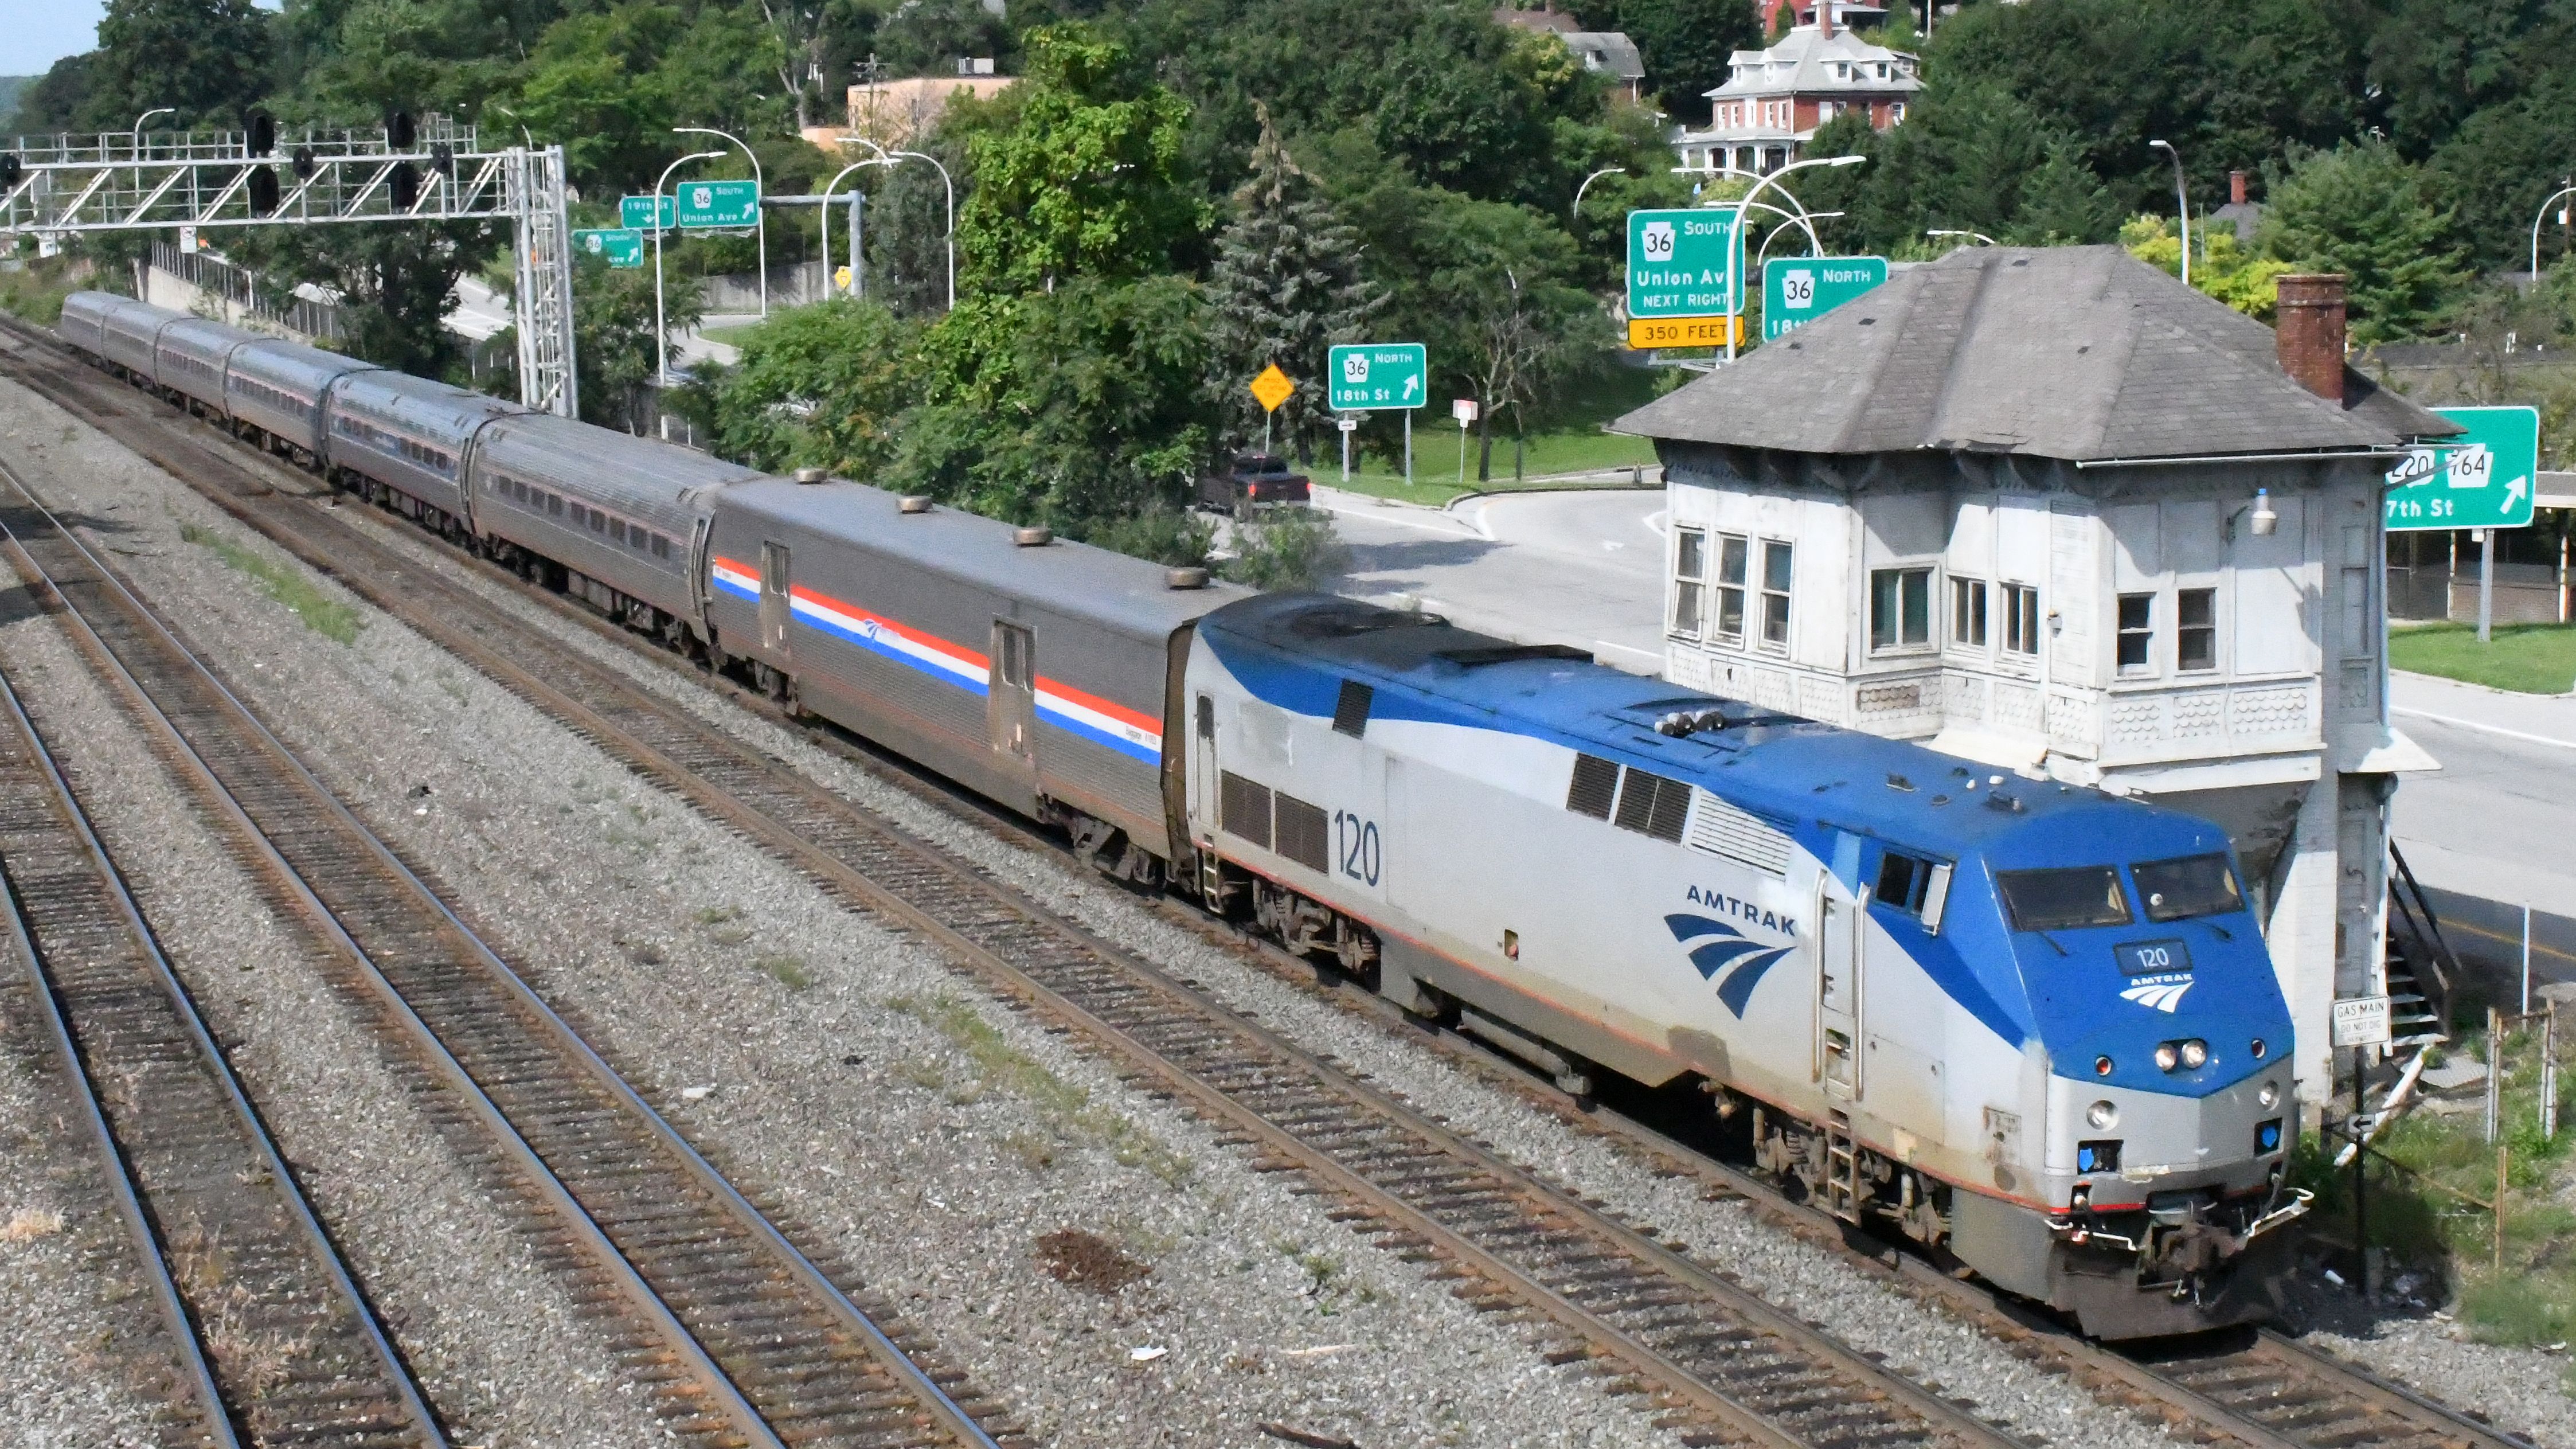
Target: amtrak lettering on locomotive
point(2031, 1024)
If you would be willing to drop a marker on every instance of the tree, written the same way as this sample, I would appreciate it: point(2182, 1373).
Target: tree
point(2223, 267)
point(204, 58)
point(1287, 285)
point(52, 102)
point(1086, 181)
point(821, 386)
point(1495, 303)
point(613, 342)
point(2365, 211)
point(396, 283)
point(1686, 44)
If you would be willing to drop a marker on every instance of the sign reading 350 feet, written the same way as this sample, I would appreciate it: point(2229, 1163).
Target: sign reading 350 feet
point(1369, 376)
point(2481, 479)
point(1679, 264)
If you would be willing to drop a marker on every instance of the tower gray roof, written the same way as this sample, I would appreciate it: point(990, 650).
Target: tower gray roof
point(2060, 352)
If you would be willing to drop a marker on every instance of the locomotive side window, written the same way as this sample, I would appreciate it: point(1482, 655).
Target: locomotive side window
point(1914, 885)
point(2195, 885)
point(1596, 784)
point(2063, 899)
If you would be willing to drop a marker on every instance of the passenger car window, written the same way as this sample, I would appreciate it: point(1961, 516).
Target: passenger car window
point(2195, 885)
point(2057, 900)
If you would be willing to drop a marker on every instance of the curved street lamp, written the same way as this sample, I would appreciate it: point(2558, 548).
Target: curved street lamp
point(759, 213)
point(138, 128)
point(661, 328)
point(2536, 220)
point(2182, 204)
point(1735, 253)
point(855, 260)
point(1587, 184)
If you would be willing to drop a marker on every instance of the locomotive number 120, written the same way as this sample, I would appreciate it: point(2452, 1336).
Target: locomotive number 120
point(1355, 845)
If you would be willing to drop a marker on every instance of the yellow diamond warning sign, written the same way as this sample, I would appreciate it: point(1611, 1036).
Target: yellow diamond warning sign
point(1272, 388)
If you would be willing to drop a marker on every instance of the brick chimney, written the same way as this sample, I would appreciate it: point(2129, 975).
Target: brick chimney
point(1825, 19)
point(2309, 334)
point(2236, 188)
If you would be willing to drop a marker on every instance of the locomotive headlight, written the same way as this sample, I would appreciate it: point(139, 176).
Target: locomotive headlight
point(2269, 1093)
point(2195, 1054)
point(2104, 1116)
point(2166, 1056)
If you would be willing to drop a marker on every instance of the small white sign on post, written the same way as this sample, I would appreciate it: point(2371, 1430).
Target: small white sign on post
point(187, 238)
point(2361, 1021)
point(1464, 410)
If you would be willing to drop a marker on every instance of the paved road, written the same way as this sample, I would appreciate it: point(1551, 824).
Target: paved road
point(1579, 568)
point(2490, 831)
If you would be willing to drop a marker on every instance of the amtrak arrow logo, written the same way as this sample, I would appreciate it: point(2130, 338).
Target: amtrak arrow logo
point(1724, 949)
point(2163, 993)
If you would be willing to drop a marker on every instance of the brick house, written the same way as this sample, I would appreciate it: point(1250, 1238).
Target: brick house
point(1774, 99)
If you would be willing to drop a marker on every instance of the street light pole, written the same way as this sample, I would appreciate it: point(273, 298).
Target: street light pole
point(661, 328)
point(1735, 253)
point(951, 189)
point(2182, 204)
point(138, 126)
point(2536, 220)
point(759, 213)
point(827, 220)
point(1587, 184)
point(1982, 238)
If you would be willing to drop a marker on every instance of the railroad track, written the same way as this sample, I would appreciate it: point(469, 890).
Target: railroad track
point(2270, 1392)
point(273, 1341)
point(743, 1339)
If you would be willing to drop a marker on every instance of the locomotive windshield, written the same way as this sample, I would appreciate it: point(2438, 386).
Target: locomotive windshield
point(2195, 885)
point(2057, 900)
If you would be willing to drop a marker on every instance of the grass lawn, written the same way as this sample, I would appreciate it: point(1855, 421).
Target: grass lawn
point(733, 336)
point(2528, 658)
point(1435, 464)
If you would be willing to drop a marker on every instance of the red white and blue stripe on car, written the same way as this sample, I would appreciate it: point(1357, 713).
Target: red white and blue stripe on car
point(1132, 733)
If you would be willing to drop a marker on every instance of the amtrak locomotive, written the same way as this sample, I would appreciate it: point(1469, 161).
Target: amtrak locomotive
point(2031, 1025)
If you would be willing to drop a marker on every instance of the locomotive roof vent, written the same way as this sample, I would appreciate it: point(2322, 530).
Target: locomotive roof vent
point(811, 475)
point(913, 503)
point(1192, 578)
point(1032, 537)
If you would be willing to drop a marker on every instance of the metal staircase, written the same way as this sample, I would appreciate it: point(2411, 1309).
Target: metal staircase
point(2421, 968)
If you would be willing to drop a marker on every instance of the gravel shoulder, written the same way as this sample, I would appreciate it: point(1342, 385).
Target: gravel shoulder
point(1088, 1253)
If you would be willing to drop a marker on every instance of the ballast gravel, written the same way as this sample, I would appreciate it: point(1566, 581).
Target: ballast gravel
point(2521, 1390)
point(930, 1136)
point(495, 1341)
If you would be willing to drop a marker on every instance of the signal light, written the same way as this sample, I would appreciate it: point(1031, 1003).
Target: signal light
point(405, 184)
point(12, 171)
point(263, 190)
point(304, 163)
point(263, 132)
point(399, 135)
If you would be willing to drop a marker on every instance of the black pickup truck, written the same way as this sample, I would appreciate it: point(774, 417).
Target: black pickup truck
point(1252, 480)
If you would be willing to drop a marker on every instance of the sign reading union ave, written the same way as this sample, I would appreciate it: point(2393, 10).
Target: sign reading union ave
point(2481, 479)
point(1797, 291)
point(1679, 264)
point(719, 203)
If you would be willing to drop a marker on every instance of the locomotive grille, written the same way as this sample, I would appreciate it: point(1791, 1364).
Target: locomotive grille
point(1653, 805)
point(1596, 784)
point(1305, 835)
point(1245, 808)
point(1723, 830)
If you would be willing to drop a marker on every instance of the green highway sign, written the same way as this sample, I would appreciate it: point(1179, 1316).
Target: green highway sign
point(1679, 264)
point(1368, 376)
point(2481, 479)
point(709, 204)
point(1797, 291)
point(638, 213)
point(623, 246)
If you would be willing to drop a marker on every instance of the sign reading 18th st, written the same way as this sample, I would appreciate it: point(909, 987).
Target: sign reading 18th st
point(1367, 376)
point(1679, 264)
point(2481, 479)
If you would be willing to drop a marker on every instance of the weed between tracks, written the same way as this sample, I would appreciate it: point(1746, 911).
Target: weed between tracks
point(1069, 1113)
point(286, 584)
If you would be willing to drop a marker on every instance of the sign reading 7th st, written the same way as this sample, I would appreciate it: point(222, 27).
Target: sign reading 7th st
point(1679, 264)
point(2481, 479)
point(1370, 376)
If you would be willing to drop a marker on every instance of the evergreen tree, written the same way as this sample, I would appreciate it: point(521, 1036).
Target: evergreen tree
point(207, 59)
point(2365, 211)
point(1287, 285)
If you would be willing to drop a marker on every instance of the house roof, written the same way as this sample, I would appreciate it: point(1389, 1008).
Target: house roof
point(2057, 352)
point(1607, 50)
point(1804, 61)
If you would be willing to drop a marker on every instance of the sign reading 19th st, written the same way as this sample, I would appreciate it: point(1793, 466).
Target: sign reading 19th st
point(2481, 479)
point(1680, 264)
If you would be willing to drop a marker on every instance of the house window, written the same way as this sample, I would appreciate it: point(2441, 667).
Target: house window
point(1732, 554)
point(1690, 580)
point(1900, 608)
point(2196, 629)
point(1776, 560)
point(2137, 633)
point(1896, 113)
point(1968, 613)
point(2021, 618)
